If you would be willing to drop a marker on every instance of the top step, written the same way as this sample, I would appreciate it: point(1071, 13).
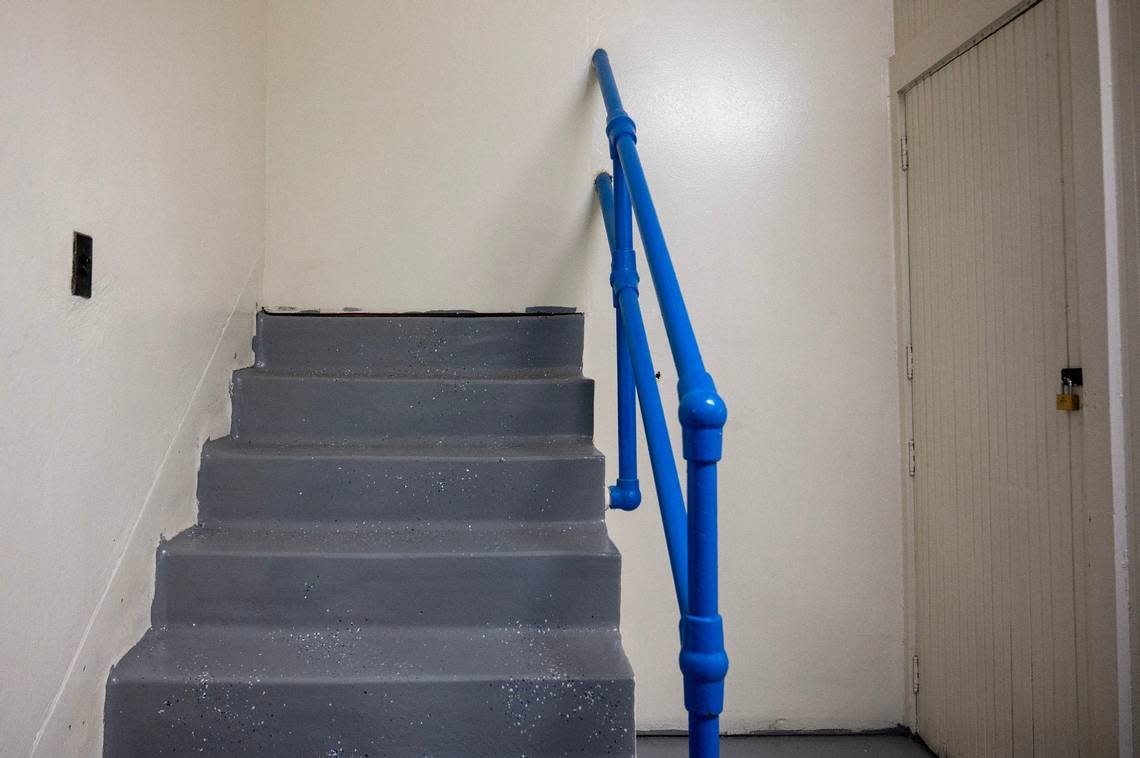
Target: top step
point(520, 345)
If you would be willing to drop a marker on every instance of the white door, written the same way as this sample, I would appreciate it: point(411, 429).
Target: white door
point(994, 562)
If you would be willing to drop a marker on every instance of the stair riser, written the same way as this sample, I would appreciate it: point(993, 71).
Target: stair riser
point(337, 489)
point(403, 590)
point(296, 409)
point(452, 719)
point(427, 345)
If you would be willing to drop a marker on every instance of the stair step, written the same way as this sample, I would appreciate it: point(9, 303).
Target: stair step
point(239, 654)
point(281, 408)
point(402, 552)
point(390, 573)
point(353, 691)
point(426, 344)
point(536, 479)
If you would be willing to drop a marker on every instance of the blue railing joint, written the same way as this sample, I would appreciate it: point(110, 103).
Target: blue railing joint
point(703, 414)
point(704, 663)
point(623, 273)
point(619, 125)
point(625, 495)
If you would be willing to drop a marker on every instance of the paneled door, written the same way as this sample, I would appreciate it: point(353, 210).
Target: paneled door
point(995, 595)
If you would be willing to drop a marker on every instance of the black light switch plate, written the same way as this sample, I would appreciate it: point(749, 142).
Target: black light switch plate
point(81, 248)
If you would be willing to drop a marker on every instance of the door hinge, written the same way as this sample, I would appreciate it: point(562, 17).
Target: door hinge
point(914, 674)
point(910, 361)
point(912, 459)
point(904, 155)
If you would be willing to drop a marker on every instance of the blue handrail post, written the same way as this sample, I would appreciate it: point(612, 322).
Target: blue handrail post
point(626, 493)
point(704, 662)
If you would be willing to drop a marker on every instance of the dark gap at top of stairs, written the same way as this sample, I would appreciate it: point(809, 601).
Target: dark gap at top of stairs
point(536, 311)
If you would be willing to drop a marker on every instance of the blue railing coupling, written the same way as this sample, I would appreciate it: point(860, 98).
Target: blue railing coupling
point(617, 126)
point(689, 522)
point(703, 415)
point(704, 664)
point(625, 494)
point(623, 272)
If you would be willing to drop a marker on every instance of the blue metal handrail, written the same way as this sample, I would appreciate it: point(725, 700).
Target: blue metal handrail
point(690, 534)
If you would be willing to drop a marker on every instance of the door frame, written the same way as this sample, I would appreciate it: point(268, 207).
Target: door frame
point(1106, 726)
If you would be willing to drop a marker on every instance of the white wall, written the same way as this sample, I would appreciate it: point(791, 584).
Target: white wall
point(1121, 83)
point(141, 124)
point(441, 155)
point(1126, 46)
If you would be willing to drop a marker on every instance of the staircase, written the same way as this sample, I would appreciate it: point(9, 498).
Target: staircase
point(401, 552)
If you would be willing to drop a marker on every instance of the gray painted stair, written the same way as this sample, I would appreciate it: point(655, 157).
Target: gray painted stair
point(401, 552)
point(425, 345)
point(354, 691)
point(285, 408)
point(461, 576)
point(538, 479)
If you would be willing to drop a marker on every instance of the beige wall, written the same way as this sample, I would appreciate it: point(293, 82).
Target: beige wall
point(440, 155)
point(141, 124)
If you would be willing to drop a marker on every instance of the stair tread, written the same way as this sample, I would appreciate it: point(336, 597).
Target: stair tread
point(497, 479)
point(380, 539)
point(489, 373)
point(512, 377)
point(422, 344)
point(299, 408)
point(216, 654)
point(451, 448)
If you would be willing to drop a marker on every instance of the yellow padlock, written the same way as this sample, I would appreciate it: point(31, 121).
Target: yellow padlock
point(1067, 401)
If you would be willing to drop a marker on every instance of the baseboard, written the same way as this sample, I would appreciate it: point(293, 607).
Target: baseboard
point(73, 726)
point(899, 730)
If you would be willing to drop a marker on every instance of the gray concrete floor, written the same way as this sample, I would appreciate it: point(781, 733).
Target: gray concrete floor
point(806, 746)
